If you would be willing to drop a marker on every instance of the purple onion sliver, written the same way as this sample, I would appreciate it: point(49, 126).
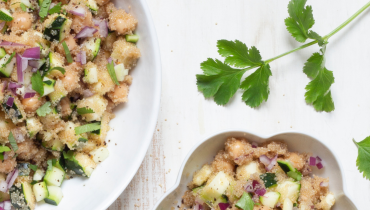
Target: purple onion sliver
point(87, 93)
point(260, 192)
point(11, 181)
point(6, 43)
point(7, 205)
point(265, 160)
point(29, 95)
point(103, 28)
point(272, 163)
point(255, 183)
point(33, 53)
point(18, 44)
point(249, 188)
point(2, 206)
point(312, 161)
point(19, 68)
point(254, 145)
point(10, 101)
point(78, 57)
point(86, 32)
point(319, 165)
point(223, 206)
point(78, 11)
point(14, 85)
point(318, 159)
point(324, 184)
point(83, 57)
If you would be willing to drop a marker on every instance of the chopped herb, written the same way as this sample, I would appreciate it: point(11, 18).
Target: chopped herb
point(33, 182)
point(59, 69)
point(68, 155)
point(56, 9)
point(37, 84)
point(12, 142)
point(50, 164)
point(33, 167)
point(4, 149)
point(87, 128)
point(44, 8)
point(84, 110)
point(44, 109)
point(245, 202)
point(1, 156)
point(23, 7)
point(82, 140)
point(68, 54)
point(363, 157)
point(112, 72)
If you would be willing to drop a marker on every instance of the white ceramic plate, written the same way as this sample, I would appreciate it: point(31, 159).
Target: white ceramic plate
point(132, 129)
point(205, 151)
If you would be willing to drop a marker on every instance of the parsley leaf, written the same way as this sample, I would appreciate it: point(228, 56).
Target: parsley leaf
point(56, 9)
point(238, 54)
point(112, 72)
point(313, 65)
point(44, 109)
point(256, 86)
point(324, 103)
point(363, 157)
point(33, 167)
point(245, 202)
point(300, 20)
point(37, 84)
point(12, 142)
point(319, 86)
point(219, 80)
point(87, 128)
point(44, 8)
point(23, 7)
point(84, 110)
point(68, 54)
point(4, 149)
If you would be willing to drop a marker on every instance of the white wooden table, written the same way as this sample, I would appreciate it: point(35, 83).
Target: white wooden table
point(188, 31)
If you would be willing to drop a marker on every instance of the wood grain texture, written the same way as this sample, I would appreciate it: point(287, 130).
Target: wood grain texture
point(187, 33)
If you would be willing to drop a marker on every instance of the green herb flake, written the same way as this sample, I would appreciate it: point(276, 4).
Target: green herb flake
point(61, 69)
point(68, 53)
point(44, 109)
point(12, 142)
point(33, 182)
point(363, 158)
point(23, 7)
point(44, 8)
point(1, 156)
point(245, 202)
point(112, 72)
point(84, 110)
point(56, 9)
point(37, 83)
point(87, 128)
point(33, 167)
point(4, 149)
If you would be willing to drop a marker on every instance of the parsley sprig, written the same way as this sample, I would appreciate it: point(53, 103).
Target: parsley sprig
point(363, 157)
point(221, 80)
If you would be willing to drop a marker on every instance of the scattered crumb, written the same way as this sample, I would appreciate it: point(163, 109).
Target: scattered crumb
point(115, 144)
point(157, 129)
point(156, 158)
point(160, 185)
point(178, 123)
point(171, 50)
point(216, 24)
point(166, 119)
point(164, 156)
point(84, 185)
point(150, 155)
point(291, 126)
point(168, 25)
point(179, 147)
point(146, 179)
point(278, 121)
point(109, 140)
point(137, 205)
point(283, 94)
point(179, 141)
point(138, 199)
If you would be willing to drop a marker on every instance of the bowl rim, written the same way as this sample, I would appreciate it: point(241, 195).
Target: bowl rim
point(209, 136)
point(117, 191)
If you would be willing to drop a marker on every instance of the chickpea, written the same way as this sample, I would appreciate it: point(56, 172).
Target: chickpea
point(31, 104)
point(65, 106)
point(119, 94)
point(21, 21)
point(70, 80)
point(236, 149)
point(224, 166)
point(121, 26)
point(71, 43)
point(297, 161)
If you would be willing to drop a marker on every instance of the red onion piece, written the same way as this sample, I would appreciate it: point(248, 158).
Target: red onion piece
point(78, 57)
point(2, 24)
point(265, 160)
point(5, 43)
point(83, 57)
point(324, 184)
point(13, 85)
point(254, 145)
point(318, 159)
point(260, 192)
point(3, 186)
point(86, 32)
point(33, 53)
point(272, 163)
point(320, 165)
point(223, 206)
point(249, 188)
point(29, 95)
point(87, 93)
point(312, 161)
point(10, 101)
point(2, 206)
point(79, 11)
point(103, 27)
point(13, 176)
point(7, 205)
point(19, 68)
point(255, 184)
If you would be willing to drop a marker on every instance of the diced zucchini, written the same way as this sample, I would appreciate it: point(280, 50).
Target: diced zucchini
point(213, 191)
point(269, 179)
point(91, 74)
point(132, 38)
point(289, 190)
point(288, 204)
point(41, 191)
point(92, 5)
point(7, 64)
point(245, 171)
point(39, 174)
point(289, 169)
point(53, 144)
point(33, 126)
point(14, 112)
point(99, 154)
point(48, 85)
point(80, 163)
point(54, 177)
point(2, 52)
point(57, 27)
point(196, 191)
point(97, 103)
point(21, 196)
point(59, 93)
point(121, 72)
point(5, 15)
point(23, 169)
point(91, 46)
point(54, 61)
point(55, 195)
point(202, 175)
point(270, 199)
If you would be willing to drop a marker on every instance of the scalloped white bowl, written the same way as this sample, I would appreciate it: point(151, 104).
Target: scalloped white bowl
point(132, 129)
point(205, 151)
